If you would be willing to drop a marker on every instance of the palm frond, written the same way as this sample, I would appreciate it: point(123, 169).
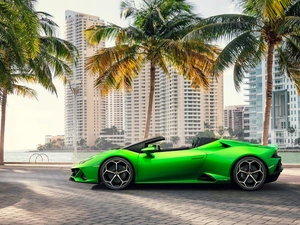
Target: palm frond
point(293, 9)
point(98, 33)
point(162, 64)
point(269, 10)
point(237, 49)
point(116, 67)
point(289, 59)
point(225, 27)
point(289, 26)
point(60, 48)
point(128, 9)
point(194, 63)
point(24, 91)
point(248, 59)
point(48, 26)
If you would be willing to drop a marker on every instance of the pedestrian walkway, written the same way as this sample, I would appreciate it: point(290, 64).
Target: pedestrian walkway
point(44, 195)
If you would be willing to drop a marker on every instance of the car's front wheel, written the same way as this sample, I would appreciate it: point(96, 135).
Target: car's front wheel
point(249, 173)
point(116, 173)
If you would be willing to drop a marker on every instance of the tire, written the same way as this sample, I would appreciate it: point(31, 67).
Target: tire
point(116, 173)
point(249, 173)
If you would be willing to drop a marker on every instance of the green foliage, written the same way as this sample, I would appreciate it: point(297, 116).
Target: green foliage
point(54, 144)
point(236, 134)
point(264, 27)
point(175, 139)
point(82, 143)
point(29, 54)
point(156, 35)
point(189, 140)
point(297, 141)
point(230, 132)
point(210, 133)
point(166, 145)
point(206, 133)
point(221, 131)
point(103, 144)
point(239, 134)
point(291, 130)
point(112, 131)
point(254, 141)
point(206, 126)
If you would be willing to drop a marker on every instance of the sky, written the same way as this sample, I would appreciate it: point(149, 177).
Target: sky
point(29, 120)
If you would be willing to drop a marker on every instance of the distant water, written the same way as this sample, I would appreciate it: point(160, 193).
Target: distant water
point(67, 156)
point(52, 156)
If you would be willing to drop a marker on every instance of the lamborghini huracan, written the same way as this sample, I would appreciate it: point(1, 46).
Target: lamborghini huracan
point(208, 160)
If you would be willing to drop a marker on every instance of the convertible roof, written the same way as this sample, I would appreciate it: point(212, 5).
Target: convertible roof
point(143, 144)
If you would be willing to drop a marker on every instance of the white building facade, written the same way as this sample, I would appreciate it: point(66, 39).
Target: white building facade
point(284, 109)
point(178, 110)
point(90, 111)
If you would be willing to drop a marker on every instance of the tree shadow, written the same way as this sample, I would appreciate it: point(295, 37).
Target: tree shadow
point(11, 193)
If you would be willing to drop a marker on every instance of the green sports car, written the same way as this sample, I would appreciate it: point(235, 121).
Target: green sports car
point(208, 160)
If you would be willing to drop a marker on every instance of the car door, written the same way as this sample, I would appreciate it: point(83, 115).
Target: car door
point(168, 166)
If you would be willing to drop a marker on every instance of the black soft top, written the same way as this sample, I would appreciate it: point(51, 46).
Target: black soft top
point(143, 144)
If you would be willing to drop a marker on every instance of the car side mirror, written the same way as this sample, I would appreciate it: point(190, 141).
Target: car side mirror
point(149, 149)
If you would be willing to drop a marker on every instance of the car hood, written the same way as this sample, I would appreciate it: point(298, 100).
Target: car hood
point(99, 155)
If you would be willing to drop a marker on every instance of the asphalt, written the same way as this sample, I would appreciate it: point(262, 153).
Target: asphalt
point(44, 195)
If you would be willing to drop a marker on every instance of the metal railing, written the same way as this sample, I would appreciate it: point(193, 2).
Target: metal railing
point(37, 156)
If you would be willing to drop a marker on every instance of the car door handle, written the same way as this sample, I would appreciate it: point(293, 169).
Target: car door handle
point(198, 157)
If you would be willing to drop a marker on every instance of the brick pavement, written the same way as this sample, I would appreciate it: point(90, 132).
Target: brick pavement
point(30, 195)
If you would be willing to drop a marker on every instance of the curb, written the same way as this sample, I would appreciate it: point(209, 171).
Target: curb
point(38, 165)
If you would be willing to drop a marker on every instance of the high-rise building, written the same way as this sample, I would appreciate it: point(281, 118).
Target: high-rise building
point(178, 110)
point(285, 122)
point(114, 110)
point(90, 103)
point(234, 117)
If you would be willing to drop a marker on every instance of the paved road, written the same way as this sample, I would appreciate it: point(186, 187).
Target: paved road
point(30, 195)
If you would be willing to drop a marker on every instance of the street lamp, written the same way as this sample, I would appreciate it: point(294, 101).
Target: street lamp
point(75, 90)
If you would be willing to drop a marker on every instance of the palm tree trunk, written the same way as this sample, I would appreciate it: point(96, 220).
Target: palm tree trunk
point(151, 96)
point(269, 93)
point(3, 115)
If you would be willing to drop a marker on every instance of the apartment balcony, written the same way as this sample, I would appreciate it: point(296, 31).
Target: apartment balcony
point(251, 93)
point(250, 88)
point(278, 76)
point(249, 82)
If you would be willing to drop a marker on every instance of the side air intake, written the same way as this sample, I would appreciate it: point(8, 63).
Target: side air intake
point(206, 177)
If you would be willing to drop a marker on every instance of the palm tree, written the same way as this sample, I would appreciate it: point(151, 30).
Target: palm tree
point(221, 131)
point(114, 130)
point(231, 132)
point(291, 130)
point(264, 26)
point(174, 139)
point(18, 29)
point(154, 36)
point(40, 62)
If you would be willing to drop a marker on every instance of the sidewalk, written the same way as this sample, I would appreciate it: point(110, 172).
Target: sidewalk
point(69, 164)
point(42, 194)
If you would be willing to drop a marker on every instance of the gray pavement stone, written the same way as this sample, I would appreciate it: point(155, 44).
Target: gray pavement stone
point(31, 195)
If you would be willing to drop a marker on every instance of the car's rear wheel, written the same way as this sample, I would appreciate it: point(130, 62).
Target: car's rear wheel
point(249, 173)
point(116, 173)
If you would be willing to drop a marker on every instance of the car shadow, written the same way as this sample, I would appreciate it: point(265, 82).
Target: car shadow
point(172, 187)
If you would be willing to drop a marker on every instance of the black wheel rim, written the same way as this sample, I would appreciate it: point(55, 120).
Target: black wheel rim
point(116, 173)
point(250, 173)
